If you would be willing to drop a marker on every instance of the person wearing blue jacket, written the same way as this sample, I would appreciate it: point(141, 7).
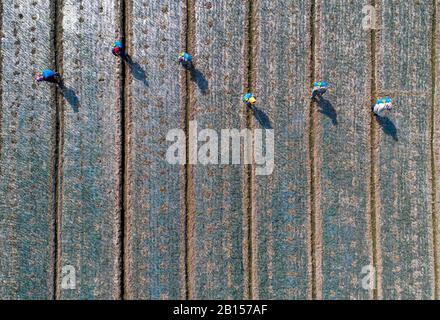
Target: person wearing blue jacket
point(48, 76)
point(185, 59)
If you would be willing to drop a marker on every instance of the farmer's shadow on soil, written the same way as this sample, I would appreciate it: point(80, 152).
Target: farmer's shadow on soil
point(262, 118)
point(326, 108)
point(137, 71)
point(388, 127)
point(198, 77)
point(71, 97)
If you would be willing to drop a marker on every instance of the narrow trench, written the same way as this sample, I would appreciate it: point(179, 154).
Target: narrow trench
point(1, 81)
point(122, 169)
point(190, 7)
point(57, 165)
point(312, 75)
point(433, 157)
point(249, 168)
point(373, 155)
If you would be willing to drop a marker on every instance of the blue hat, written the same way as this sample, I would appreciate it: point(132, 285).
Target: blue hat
point(320, 84)
point(117, 44)
point(48, 73)
point(384, 100)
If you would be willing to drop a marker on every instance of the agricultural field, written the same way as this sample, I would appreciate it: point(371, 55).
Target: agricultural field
point(345, 204)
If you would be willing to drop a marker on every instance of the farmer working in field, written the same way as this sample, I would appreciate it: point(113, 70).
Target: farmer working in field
point(49, 76)
point(249, 100)
point(118, 50)
point(381, 106)
point(319, 88)
point(185, 60)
